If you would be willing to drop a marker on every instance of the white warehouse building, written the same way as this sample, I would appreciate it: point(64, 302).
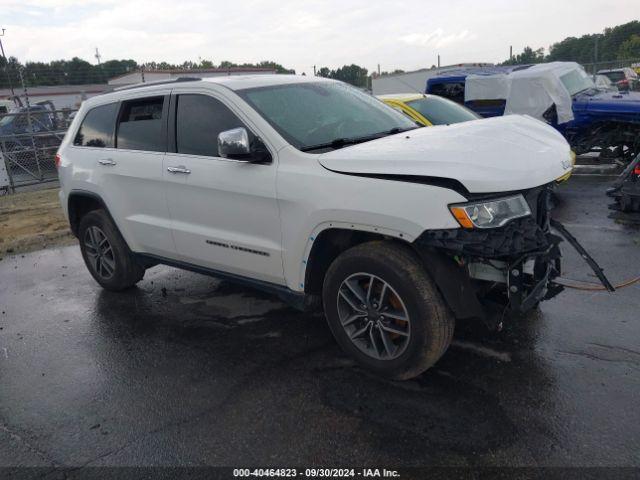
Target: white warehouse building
point(413, 82)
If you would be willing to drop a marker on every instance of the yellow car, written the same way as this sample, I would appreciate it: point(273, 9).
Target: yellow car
point(429, 110)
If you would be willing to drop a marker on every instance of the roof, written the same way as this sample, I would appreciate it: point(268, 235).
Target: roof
point(233, 82)
point(239, 82)
point(184, 71)
point(489, 70)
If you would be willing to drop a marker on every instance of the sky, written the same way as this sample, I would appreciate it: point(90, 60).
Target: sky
point(405, 34)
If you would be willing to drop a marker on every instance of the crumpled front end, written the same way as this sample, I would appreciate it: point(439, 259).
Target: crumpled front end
point(490, 273)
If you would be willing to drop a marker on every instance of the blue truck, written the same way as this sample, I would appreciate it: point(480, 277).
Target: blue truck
point(560, 93)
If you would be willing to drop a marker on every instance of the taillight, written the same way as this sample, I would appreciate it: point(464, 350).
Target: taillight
point(637, 170)
point(57, 160)
point(623, 82)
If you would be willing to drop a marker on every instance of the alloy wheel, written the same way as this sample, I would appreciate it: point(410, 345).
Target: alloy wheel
point(373, 316)
point(99, 252)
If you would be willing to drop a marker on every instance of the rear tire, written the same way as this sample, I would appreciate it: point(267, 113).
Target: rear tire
point(361, 315)
point(106, 254)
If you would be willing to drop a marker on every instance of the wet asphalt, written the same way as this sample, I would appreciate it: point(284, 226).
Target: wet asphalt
point(187, 370)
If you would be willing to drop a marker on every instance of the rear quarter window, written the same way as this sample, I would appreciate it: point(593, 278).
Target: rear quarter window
point(97, 127)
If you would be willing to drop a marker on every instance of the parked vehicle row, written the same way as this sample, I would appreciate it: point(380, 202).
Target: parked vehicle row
point(560, 93)
point(320, 193)
point(623, 78)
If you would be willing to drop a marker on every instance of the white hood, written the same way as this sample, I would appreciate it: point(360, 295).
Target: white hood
point(497, 154)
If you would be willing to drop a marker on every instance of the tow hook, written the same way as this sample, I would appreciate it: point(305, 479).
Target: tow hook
point(583, 253)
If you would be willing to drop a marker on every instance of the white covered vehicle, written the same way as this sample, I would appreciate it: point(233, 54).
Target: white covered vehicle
point(313, 190)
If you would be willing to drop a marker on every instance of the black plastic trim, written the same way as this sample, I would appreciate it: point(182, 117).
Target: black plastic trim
point(448, 183)
point(295, 299)
point(87, 194)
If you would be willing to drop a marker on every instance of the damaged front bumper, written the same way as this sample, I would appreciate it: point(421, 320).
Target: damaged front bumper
point(499, 272)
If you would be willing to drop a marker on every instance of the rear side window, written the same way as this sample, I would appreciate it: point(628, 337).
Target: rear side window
point(140, 125)
point(96, 129)
point(199, 120)
point(452, 91)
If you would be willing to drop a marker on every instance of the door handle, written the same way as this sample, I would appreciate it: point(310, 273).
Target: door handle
point(107, 161)
point(179, 169)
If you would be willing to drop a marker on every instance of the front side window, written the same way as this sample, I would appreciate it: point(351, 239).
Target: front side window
point(199, 120)
point(322, 114)
point(96, 129)
point(140, 125)
point(441, 111)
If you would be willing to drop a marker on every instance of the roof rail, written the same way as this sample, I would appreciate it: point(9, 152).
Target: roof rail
point(159, 82)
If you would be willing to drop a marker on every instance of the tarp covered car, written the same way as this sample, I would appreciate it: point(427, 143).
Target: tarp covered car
point(560, 93)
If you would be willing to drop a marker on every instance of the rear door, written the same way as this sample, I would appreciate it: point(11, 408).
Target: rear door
point(225, 212)
point(132, 174)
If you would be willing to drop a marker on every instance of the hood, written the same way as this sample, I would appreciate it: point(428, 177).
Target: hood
point(611, 102)
point(497, 154)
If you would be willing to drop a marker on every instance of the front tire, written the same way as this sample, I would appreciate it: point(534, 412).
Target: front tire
point(106, 254)
point(385, 311)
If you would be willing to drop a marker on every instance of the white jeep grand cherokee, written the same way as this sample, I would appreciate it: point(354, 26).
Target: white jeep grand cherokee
point(311, 189)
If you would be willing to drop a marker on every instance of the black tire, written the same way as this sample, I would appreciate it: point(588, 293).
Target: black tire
point(123, 271)
point(431, 324)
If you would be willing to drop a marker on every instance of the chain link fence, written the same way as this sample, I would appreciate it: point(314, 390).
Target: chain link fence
point(30, 133)
point(29, 139)
point(593, 68)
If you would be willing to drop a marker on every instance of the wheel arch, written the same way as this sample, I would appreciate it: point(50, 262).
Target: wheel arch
point(81, 202)
point(329, 243)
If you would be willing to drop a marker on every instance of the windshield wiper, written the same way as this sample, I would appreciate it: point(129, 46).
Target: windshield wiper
point(336, 143)
point(341, 142)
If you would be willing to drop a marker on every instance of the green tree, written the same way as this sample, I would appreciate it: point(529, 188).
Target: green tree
point(324, 72)
point(527, 56)
point(582, 49)
point(630, 49)
point(353, 74)
point(77, 71)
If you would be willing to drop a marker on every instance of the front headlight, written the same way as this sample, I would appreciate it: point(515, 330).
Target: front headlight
point(490, 213)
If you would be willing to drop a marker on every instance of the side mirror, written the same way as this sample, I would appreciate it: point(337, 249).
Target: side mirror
point(234, 144)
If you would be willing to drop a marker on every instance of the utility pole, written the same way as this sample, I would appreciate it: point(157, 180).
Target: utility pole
point(98, 56)
point(314, 71)
point(378, 69)
point(595, 59)
point(438, 62)
point(6, 68)
point(510, 52)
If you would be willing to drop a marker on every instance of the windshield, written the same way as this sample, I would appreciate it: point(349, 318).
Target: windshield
point(615, 76)
point(316, 114)
point(441, 111)
point(6, 120)
point(576, 81)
